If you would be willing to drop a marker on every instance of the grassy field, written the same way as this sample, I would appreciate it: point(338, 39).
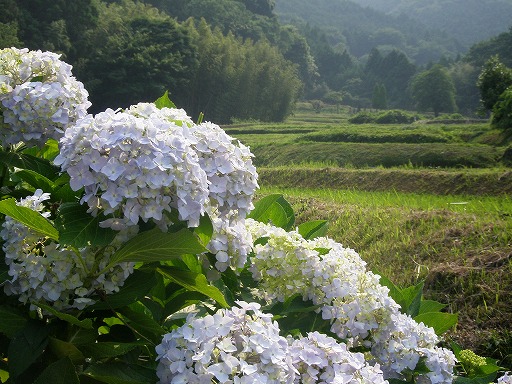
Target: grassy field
point(428, 201)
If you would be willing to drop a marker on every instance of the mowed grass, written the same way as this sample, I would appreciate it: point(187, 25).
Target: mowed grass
point(461, 246)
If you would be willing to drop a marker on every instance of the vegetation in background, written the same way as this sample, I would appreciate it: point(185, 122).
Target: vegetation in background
point(434, 91)
point(494, 79)
point(361, 58)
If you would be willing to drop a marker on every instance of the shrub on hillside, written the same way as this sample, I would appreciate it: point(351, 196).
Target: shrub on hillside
point(395, 117)
point(502, 111)
point(386, 117)
point(362, 118)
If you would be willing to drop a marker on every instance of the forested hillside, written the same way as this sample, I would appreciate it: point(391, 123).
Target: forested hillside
point(360, 29)
point(128, 51)
point(253, 59)
point(487, 17)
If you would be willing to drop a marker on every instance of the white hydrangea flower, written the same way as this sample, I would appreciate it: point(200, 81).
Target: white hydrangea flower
point(239, 345)
point(44, 271)
point(39, 97)
point(506, 378)
point(231, 243)
point(324, 272)
point(321, 359)
point(228, 163)
point(350, 297)
point(134, 168)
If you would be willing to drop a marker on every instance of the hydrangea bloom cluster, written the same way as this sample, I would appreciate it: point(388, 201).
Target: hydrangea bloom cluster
point(400, 344)
point(39, 97)
point(145, 161)
point(506, 378)
point(359, 308)
point(44, 271)
point(321, 359)
point(231, 243)
point(228, 163)
point(134, 168)
point(239, 345)
point(243, 345)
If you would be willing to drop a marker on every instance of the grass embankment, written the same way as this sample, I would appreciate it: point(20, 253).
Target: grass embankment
point(426, 201)
point(431, 181)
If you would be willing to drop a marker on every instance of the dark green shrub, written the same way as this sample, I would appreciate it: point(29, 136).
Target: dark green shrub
point(362, 118)
point(395, 117)
point(502, 111)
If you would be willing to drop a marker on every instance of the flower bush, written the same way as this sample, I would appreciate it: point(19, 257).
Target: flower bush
point(39, 97)
point(133, 252)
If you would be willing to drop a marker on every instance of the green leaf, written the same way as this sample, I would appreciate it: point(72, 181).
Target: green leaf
point(475, 380)
point(205, 230)
point(394, 291)
point(412, 297)
point(86, 323)
point(136, 286)
point(26, 161)
point(120, 373)
point(26, 347)
point(430, 306)
point(61, 372)
point(103, 350)
point(79, 228)
point(194, 282)
point(155, 245)
point(142, 323)
point(181, 301)
point(65, 193)
point(313, 229)
point(81, 336)
point(290, 215)
point(11, 321)
point(441, 322)
point(273, 209)
point(32, 219)
point(36, 180)
point(63, 349)
point(164, 101)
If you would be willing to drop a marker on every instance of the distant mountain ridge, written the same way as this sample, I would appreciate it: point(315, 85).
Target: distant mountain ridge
point(469, 21)
point(361, 28)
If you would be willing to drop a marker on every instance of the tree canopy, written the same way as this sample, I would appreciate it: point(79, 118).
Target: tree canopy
point(433, 90)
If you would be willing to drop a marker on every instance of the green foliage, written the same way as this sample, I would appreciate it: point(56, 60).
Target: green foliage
point(433, 90)
point(498, 45)
point(360, 29)
point(502, 111)
point(395, 117)
point(451, 16)
point(139, 54)
point(494, 79)
point(379, 99)
point(9, 35)
point(238, 79)
point(423, 311)
point(386, 117)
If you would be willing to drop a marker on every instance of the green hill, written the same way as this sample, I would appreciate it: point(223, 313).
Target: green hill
point(488, 17)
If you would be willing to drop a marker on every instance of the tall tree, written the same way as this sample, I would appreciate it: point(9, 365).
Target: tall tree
point(502, 111)
point(140, 53)
point(433, 90)
point(494, 79)
point(379, 99)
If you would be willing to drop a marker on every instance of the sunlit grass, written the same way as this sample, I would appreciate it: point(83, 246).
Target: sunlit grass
point(464, 204)
point(460, 246)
